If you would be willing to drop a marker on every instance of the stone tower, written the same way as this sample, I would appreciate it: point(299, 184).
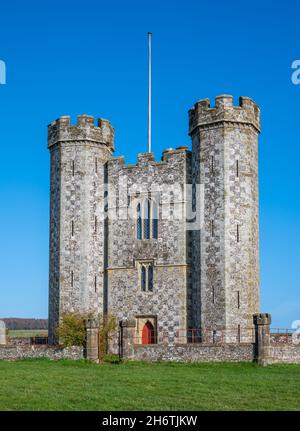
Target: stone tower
point(77, 186)
point(226, 249)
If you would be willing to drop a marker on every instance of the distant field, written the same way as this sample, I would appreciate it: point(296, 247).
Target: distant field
point(80, 385)
point(18, 333)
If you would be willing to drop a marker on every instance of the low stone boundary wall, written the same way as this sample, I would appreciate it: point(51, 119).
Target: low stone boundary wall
point(194, 352)
point(281, 338)
point(266, 349)
point(13, 353)
point(285, 354)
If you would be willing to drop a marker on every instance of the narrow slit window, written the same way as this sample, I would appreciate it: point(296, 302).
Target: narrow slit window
point(95, 283)
point(150, 278)
point(238, 233)
point(73, 168)
point(237, 168)
point(212, 164)
point(95, 224)
point(72, 278)
point(213, 294)
point(212, 228)
point(239, 334)
point(72, 228)
point(214, 334)
point(238, 299)
point(143, 278)
point(139, 222)
point(96, 165)
point(105, 201)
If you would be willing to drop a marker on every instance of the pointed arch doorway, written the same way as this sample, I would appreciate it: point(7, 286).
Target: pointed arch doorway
point(148, 333)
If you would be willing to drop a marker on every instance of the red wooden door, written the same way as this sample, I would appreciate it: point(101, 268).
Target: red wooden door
point(148, 333)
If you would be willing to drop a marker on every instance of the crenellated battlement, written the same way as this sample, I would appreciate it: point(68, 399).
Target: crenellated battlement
point(169, 153)
point(202, 114)
point(85, 130)
point(145, 159)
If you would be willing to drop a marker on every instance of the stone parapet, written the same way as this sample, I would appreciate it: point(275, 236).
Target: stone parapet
point(201, 114)
point(61, 130)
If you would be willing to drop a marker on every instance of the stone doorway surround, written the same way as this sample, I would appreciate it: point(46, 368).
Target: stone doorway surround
point(140, 323)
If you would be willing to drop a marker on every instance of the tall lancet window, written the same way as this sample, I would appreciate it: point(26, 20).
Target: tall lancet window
point(139, 222)
point(146, 276)
point(147, 217)
point(147, 214)
point(143, 278)
point(150, 278)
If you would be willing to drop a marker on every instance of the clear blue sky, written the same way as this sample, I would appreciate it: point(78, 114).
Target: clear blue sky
point(74, 57)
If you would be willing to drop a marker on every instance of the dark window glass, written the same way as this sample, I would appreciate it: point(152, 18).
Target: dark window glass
point(139, 222)
point(147, 216)
point(143, 279)
point(154, 220)
point(150, 278)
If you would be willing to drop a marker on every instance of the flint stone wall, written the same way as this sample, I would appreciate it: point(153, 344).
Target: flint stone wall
point(195, 353)
point(281, 338)
point(13, 353)
point(170, 300)
point(285, 354)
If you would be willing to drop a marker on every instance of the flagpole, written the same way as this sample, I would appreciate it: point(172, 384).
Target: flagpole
point(149, 89)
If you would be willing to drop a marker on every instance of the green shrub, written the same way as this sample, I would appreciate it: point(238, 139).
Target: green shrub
point(71, 329)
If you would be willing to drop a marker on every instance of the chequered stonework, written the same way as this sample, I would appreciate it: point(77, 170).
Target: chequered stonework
point(78, 156)
point(225, 252)
point(169, 252)
point(206, 278)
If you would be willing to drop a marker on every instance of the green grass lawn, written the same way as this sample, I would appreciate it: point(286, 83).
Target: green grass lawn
point(79, 385)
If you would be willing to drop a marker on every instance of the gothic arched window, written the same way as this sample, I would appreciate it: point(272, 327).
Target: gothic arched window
point(146, 276)
point(143, 278)
point(147, 219)
point(150, 277)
